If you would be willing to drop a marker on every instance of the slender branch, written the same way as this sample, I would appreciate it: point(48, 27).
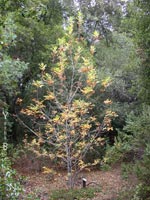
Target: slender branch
point(32, 131)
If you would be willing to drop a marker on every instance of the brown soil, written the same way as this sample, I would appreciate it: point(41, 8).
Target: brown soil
point(110, 183)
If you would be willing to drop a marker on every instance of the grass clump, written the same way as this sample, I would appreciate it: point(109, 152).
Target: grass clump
point(72, 194)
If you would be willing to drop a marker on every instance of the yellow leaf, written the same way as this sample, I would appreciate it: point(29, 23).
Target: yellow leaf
point(61, 137)
point(100, 139)
point(107, 102)
point(91, 83)
point(110, 129)
point(92, 75)
point(86, 126)
point(50, 96)
point(70, 27)
point(47, 77)
point(72, 132)
point(56, 119)
point(51, 130)
point(42, 66)
point(86, 61)
point(38, 84)
point(106, 82)
point(96, 34)
point(87, 90)
point(81, 163)
point(19, 101)
point(96, 161)
point(47, 170)
point(58, 71)
point(85, 69)
point(52, 156)
point(92, 50)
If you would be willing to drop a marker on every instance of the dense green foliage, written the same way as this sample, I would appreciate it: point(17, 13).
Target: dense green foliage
point(133, 147)
point(74, 194)
point(143, 39)
point(28, 29)
point(10, 187)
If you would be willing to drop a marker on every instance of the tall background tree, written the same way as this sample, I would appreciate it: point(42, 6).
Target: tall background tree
point(134, 139)
point(28, 29)
point(143, 39)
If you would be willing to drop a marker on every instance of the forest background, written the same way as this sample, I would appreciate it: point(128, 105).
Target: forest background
point(114, 38)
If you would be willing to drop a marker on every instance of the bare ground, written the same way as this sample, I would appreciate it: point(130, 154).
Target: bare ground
point(110, 183)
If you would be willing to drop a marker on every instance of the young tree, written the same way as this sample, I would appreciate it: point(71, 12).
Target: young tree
point(64, 115)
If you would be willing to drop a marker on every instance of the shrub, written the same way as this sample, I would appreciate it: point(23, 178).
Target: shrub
point(10, 187)
point(120, 151)
point(138, 127)
point(72, 194)
point(142, 170)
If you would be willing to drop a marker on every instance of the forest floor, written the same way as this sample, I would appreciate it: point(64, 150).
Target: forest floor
point(110, 182)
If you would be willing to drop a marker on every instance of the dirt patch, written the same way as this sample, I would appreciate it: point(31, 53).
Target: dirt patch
point(42, 184)
point(110, 182)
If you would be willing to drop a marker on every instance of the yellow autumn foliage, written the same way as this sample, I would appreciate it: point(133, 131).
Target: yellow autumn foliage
point(49, 96)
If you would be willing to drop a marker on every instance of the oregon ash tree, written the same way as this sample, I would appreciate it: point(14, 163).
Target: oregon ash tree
point(63, 115)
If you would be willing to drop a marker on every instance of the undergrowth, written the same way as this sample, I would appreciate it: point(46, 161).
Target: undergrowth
point(78, 194)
